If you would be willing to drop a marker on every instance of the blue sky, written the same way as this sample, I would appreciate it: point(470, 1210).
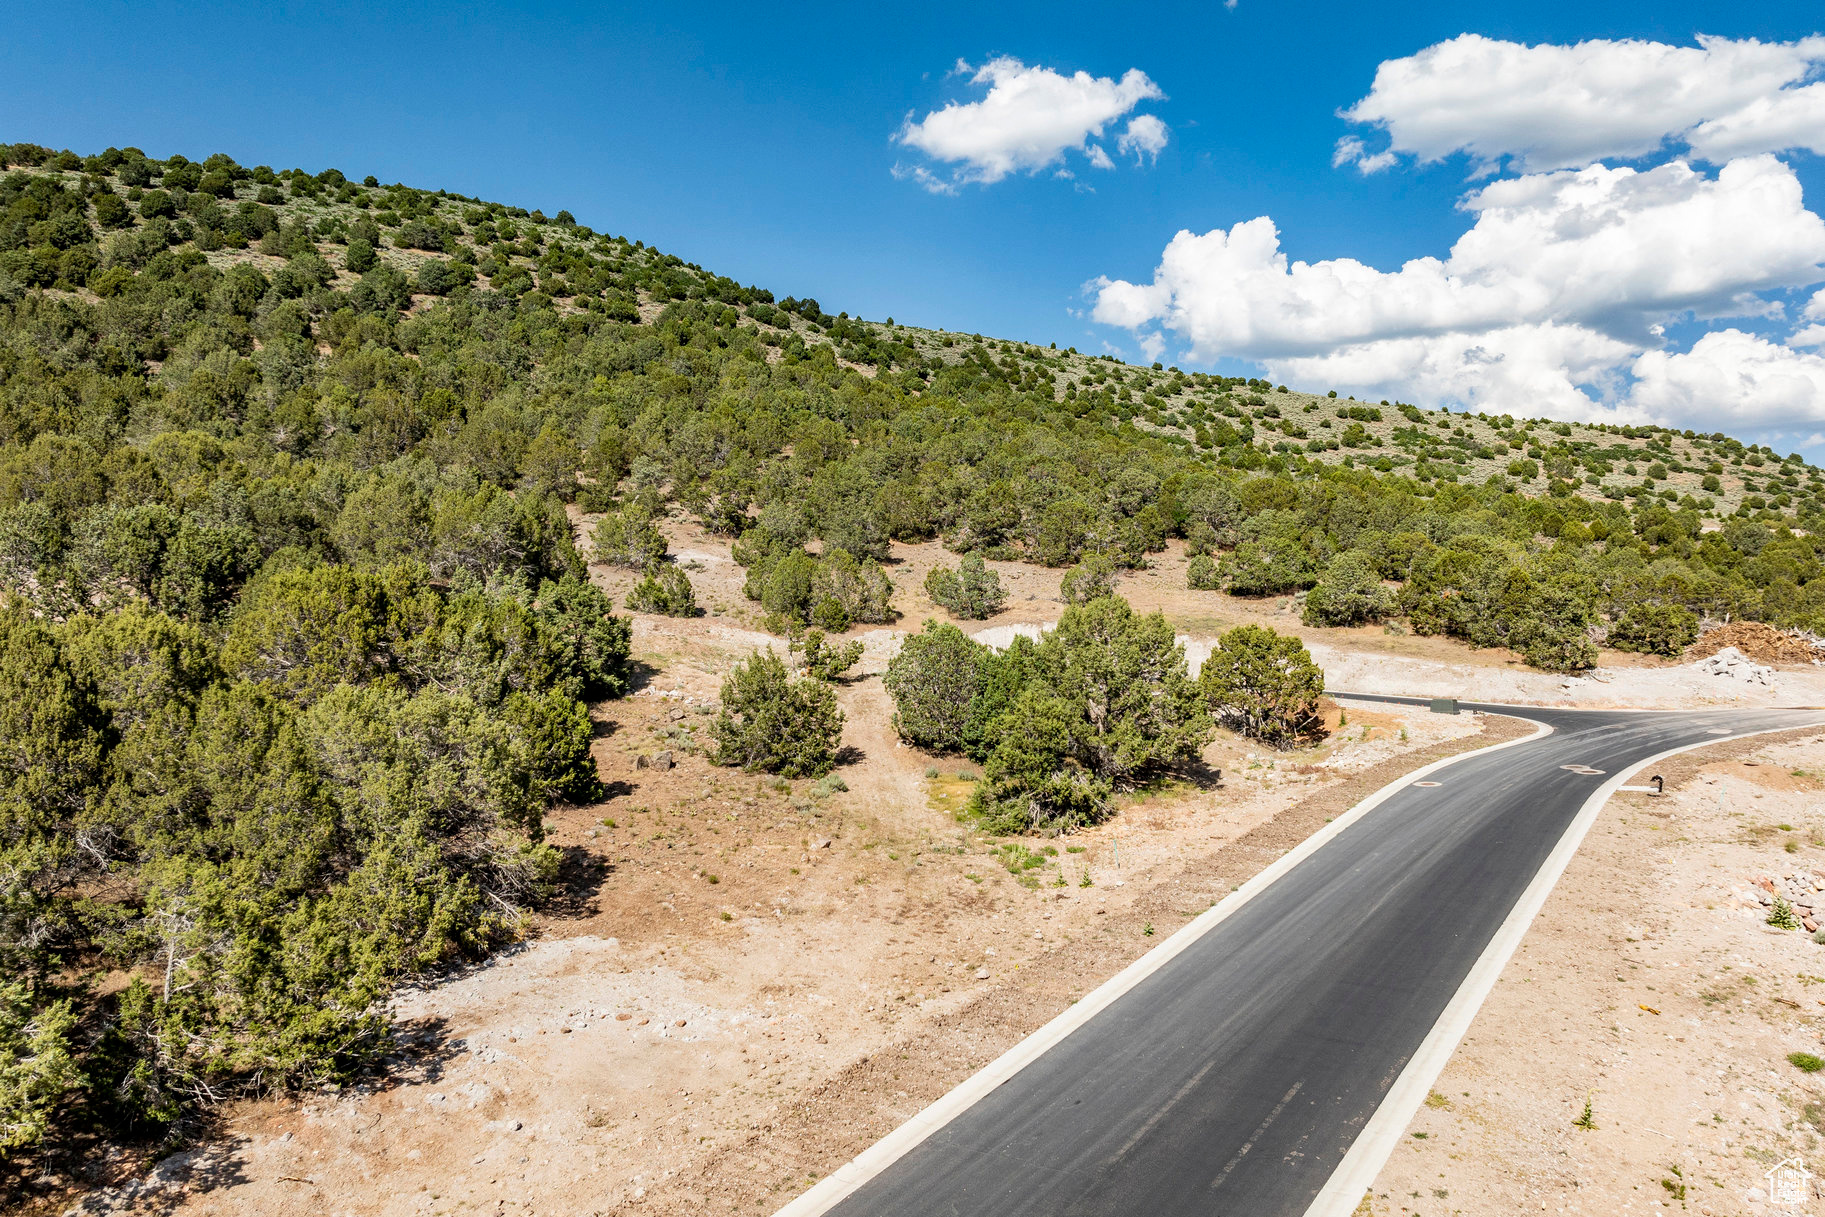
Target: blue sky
point(762, 140)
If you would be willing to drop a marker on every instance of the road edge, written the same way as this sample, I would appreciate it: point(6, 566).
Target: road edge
point(1342, 1193)
point(836, 1187)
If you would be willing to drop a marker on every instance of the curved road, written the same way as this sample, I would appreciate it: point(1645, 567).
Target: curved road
point(1234, 1079)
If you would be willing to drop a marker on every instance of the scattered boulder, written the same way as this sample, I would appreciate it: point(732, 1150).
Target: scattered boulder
point(663, 760)
point(1732, 664)
point(1804, 892)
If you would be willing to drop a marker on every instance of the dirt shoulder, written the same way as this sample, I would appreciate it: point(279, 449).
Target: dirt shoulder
point(1650, 984)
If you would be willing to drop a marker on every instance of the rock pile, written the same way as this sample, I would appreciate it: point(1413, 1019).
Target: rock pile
point(1804, 890)
point(1732, 664)
point(1760, 642)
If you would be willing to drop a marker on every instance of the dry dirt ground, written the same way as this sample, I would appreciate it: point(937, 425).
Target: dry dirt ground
point(1651, 985)
point(746, 982)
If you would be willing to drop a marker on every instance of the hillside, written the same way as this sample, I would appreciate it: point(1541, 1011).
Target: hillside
point(313, 494)
point(262, 219)
point(288, 281)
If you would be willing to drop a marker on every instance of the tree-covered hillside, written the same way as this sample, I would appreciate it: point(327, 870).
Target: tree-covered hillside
point(298, 642)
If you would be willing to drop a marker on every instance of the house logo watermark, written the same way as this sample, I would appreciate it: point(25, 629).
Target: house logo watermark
point(1789, 1184)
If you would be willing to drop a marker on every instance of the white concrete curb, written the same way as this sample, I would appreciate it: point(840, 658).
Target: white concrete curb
point(1342, 1193)
point(837, 1186)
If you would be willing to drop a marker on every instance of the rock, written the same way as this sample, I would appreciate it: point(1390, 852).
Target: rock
point(821, 843)
point(643, 761)
point(663, 761)
point(676, 716)
point(982, 973)
point(1732, 664)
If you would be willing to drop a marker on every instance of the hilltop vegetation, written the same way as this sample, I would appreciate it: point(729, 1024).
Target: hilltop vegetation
point(299, 642)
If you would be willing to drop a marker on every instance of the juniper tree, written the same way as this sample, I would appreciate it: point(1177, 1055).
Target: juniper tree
point(1263, 684)
point(972, 591)
point(774, 724)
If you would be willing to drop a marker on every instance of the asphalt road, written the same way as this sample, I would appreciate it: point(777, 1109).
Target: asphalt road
point(1233, 1080)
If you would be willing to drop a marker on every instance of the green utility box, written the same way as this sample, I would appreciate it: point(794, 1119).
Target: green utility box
point(1444, 705)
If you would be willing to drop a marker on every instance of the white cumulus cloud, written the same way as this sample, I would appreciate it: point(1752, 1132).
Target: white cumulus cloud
point(1352, 151)
point(1554, 299)
point(1145, 137)
point(1029, 119)
point(1616, 250)
point(1553, 106)
point(1748, 379)
point(1792, 118)
point(1546, 369)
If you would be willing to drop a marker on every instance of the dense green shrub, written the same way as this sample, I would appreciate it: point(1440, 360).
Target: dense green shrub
point(972, 591)
point(1270, 567)
point(1125, 675)
point(1111, 686)
point(826, 660)
point(774, 724)
point(664, 589)
point(38, 1064)
point(832, 591)
point(346, 793)
point(1654, 628)
point(359, 256)
point(1481, 590)
point(382, 290)
point(1263, 684)
point(934, 680)
point(1091, 579)
point(592, 645)
point(1202, 574)
point(1033, 782)
point(1349, 593)
point(435, 278)
point(847, 590)
point(629, 538)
